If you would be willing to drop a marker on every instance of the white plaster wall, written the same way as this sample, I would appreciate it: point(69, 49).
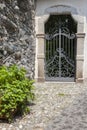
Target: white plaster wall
point(80, 5)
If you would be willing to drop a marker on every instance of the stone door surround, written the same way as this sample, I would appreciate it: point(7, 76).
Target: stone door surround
point(40, 31)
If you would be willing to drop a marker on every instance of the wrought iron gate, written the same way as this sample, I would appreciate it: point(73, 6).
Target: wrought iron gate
point(60, 52)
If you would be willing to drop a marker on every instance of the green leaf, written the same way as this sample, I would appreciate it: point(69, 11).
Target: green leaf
point(15, 91)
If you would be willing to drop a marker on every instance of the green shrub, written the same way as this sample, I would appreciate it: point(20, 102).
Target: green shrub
point(15, 91)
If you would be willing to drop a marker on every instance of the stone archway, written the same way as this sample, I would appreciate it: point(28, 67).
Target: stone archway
point(40, 21)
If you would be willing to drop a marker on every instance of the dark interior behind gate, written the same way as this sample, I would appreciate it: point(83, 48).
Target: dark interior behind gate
point(60, 48)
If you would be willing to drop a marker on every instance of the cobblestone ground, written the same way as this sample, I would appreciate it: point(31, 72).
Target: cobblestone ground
point(57, 107)
point(72, 118)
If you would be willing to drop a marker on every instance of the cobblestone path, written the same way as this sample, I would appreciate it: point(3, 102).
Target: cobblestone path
point(72, 118)
point(60, 106)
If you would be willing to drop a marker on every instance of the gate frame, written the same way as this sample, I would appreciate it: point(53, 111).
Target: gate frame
point(40, 40)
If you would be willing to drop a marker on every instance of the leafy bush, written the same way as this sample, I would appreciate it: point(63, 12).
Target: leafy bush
point(15, 91)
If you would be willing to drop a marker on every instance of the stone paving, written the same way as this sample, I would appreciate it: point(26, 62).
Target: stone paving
point(72, 118)
point(54, 108)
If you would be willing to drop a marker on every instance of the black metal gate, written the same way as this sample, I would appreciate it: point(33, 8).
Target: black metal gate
point(60, 49)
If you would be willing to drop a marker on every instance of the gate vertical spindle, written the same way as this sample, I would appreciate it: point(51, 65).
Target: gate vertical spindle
point(59, 52)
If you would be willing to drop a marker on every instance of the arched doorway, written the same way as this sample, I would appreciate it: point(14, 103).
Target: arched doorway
point(60, 48)
point(41, 20)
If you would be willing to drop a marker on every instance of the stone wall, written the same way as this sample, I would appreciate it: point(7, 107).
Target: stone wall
point(17, 35)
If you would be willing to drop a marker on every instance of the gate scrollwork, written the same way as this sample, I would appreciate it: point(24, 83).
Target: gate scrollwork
point(60, 52)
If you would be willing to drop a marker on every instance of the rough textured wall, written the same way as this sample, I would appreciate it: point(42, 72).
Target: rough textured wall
point(17, 35)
